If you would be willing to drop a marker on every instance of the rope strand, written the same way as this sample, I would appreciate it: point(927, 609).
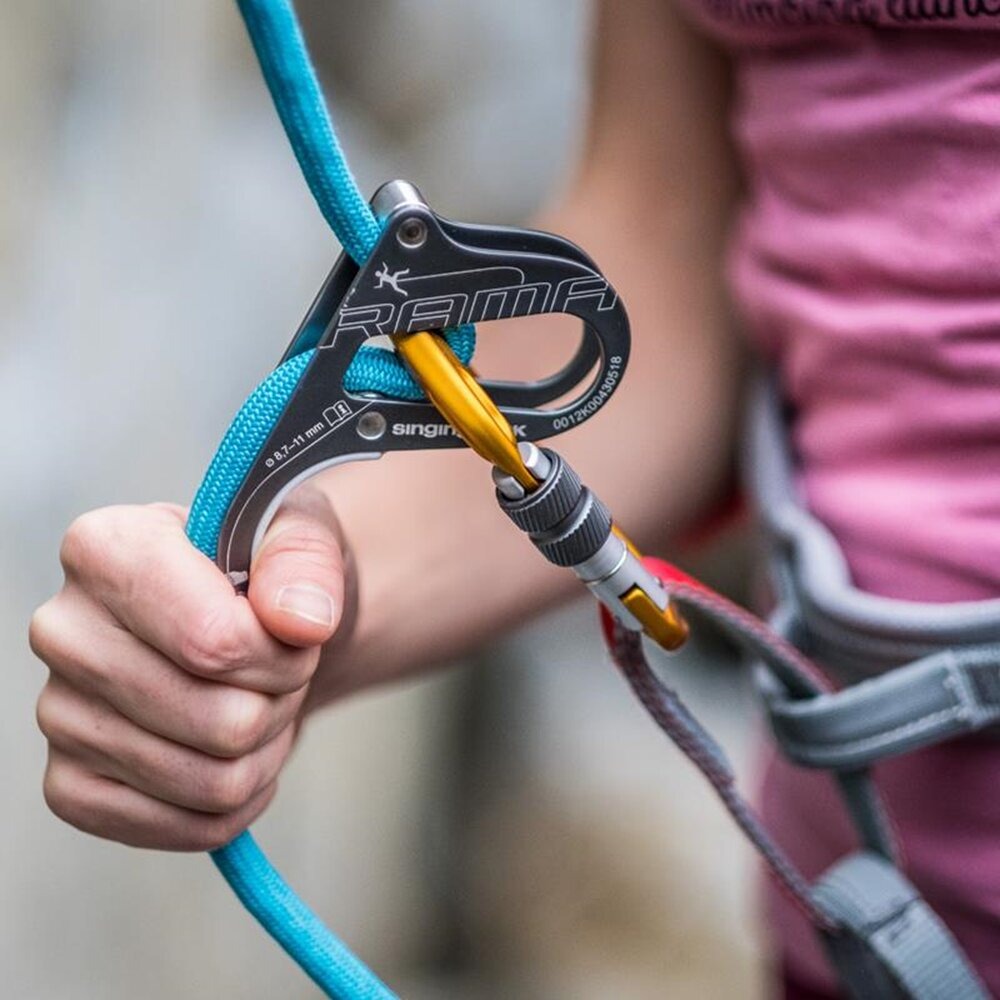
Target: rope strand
point(290, 77)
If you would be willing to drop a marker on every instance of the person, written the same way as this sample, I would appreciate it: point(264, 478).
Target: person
point(863, 265)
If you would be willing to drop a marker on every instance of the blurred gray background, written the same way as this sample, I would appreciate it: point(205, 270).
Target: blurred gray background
point(514, 827)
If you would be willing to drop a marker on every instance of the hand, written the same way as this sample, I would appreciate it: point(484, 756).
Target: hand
point(172, 703)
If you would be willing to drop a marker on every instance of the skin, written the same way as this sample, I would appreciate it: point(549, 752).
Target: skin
point(172, 704)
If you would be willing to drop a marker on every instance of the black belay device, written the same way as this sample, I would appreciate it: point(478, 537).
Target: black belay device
point(426, 273)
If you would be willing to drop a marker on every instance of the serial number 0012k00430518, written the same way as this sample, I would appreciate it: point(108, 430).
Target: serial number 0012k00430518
point(594, 402)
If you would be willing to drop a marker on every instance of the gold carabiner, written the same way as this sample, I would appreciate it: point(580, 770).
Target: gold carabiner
point(467, 407)
point(463, 402)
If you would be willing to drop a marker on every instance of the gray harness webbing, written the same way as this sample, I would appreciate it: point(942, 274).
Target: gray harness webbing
point(922, 673)
point(919, 674)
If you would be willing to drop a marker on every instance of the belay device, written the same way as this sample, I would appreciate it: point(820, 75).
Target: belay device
point(419, 282)
point(426, 273)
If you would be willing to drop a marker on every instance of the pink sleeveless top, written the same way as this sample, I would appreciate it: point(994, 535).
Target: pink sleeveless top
point(866, 265)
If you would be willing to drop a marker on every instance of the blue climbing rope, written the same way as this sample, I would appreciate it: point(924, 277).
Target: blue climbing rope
point(281, 51)
point(290, 77)
point(324, 957)
point(289, 74)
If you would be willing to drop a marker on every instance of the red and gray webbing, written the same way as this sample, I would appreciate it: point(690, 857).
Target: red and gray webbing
point(882, 938)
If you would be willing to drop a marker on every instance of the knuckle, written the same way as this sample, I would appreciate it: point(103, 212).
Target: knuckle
point(229, 786)
point(46, 714)
point(214, 644)
point(87, 539)
point(298, 667)
point(71, 648)
point(203, 839)
point(59, 794)
point(42, 630)
point(241, 722)
point(218, 831)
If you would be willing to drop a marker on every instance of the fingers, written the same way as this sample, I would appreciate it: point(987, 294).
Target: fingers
point(110, 809)
point(297, 577)
point(138, 564)
point(92, 654)
point(172, 702)
point(96, 737)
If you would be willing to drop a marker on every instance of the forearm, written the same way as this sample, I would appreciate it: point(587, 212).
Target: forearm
point(441, 569)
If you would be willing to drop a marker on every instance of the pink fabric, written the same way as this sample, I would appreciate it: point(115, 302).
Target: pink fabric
point(866, 265)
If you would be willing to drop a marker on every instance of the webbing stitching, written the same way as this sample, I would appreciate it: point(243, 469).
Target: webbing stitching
point(802, 752)
point(872, 646)
point(985, 679)
point(965, 709)
point(962, 679)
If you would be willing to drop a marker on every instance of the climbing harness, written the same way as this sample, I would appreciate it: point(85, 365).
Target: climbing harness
point(379, 364)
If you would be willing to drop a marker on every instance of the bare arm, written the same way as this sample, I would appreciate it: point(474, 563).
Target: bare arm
point(172, 704)
point(441, 568)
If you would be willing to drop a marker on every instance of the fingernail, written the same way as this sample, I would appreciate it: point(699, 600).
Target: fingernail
point(309, 603)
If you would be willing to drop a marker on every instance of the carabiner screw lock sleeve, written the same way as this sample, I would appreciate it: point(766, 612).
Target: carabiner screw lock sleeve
point(571, 527)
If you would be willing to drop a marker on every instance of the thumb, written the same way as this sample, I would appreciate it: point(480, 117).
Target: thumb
point(297, 575)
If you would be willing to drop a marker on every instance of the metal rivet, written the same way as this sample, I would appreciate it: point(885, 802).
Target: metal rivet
point(412, 233)
point(371, 425)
